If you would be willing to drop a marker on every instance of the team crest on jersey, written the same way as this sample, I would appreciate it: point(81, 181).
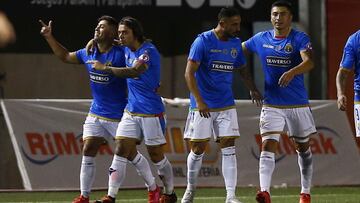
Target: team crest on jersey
point(233, 52)
point(288, 48)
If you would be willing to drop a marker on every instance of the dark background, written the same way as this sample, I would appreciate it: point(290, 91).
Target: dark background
point(172, 29)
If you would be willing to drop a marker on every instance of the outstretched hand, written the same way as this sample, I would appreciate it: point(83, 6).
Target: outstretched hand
point(46, 30)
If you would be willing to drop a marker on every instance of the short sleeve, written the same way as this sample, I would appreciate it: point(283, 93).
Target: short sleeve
point(348, 57)
point(305, 43)
point(81, 55)
point(197, 50)
point(250, 43)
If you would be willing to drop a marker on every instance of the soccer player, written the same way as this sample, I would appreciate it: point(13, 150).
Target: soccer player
point(213, 57)
point(144, 114)
point(285, 54)
point(350, 62)
point(108, 91)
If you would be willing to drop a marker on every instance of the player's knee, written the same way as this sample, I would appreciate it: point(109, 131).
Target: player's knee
point(227, 142)
point(124, 149)
point(302, 145)
point(156, 153)
point(91, 147)
point(270, 142)
point(270, 137)
point(198, 147)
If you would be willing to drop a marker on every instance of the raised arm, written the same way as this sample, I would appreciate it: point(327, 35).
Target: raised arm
point(60, 51)
point(341, 78)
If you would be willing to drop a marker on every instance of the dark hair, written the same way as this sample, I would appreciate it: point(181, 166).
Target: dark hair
point(228, 12)
point(283, 3)
point(111, 20)
point(135, 26)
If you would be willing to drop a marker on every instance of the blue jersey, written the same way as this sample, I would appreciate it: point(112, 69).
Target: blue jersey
point(277, 56)
point(108, 91)
point(143, 95)
point(214, 76)
point(351, 60)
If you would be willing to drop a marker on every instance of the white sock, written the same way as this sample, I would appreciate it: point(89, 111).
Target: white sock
point(143, 168)
point(266, 169)
point(194, 163)
point(229, 170)
point(117, 173)
point(166, 175)
point(306, 170)
point(87, 175)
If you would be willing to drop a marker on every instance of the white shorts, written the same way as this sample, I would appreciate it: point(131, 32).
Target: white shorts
point(220, 124)
point(149, 129)
point(357, 119)
point(99, 127)
point(298, 121)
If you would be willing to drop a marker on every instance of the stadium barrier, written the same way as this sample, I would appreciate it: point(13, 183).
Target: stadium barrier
point(46, 136)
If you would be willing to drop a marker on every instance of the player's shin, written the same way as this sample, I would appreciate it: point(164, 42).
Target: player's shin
point(266, 169)
point(229, 170)
point(166, 174)
point(306, 170)
point(117, 172)
point(143, 168)
point(87, 175)
point(194, 163)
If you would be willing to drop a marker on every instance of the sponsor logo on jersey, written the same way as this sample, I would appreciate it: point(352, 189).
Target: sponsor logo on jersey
point(268, 46)
point(215, 50)
point(278, 61)
point(99, 78)
point(288, 48)
point(222, 66)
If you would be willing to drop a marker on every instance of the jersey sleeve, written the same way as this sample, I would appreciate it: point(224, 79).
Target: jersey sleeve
point(81, 55)
point(250, 44)
point(146, 56)
point(305, 44)
point(240, 59)
point(348, 57)
point(197, 50)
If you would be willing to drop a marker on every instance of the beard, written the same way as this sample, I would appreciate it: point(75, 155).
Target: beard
point(232, 35)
